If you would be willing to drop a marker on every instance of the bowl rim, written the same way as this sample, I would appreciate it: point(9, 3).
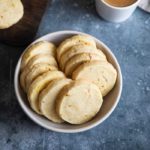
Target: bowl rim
point(94, 124)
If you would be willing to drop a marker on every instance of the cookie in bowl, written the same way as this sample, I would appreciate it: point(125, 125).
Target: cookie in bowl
point(78, 49)
point(43, 80)
point(51, 99)
point(79, 101)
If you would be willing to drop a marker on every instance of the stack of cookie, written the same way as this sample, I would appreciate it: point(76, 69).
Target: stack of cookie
point(38, 68)
point(79, 58)
point(66, 83)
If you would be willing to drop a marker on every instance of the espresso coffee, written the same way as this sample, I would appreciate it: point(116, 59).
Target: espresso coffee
point(120, 3)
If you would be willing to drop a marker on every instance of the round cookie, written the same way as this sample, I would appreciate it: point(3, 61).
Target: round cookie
point(78, 49)
point(78, 102)
point(37, 70)
point(48, 98)
point(77, 39)
point(42, 47)
point(38, 85)
point(11, 11)
point(103, 74)
point(42, 58)
point(38, 59)
point(78, 59)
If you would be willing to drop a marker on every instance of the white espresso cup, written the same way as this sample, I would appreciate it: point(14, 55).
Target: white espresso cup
point(115, 14)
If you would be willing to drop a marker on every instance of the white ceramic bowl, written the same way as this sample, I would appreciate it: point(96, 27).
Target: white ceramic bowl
point(109, 104)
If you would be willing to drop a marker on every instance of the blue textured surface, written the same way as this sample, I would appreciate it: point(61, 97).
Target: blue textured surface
point(128, 128)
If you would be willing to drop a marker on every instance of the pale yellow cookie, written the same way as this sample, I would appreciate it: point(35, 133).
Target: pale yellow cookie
point(38, 59)
point(42, 58)
point(11, 11)
point(37, 70)
point(23, 76)
point(42, 47)
point(48, 98)
point(78, 49)
point(77, 39)
point(103, 74)
point(38, 85)
point(78, 102)
point(78, 59)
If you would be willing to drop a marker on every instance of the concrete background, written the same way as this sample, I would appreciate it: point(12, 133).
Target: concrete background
point(128, 128)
